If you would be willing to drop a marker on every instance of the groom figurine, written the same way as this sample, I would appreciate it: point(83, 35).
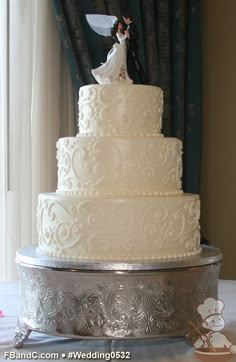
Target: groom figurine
point(133, 63)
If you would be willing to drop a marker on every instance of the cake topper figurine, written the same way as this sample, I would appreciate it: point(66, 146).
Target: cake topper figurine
point(124, 51)
point(101, 24)
point(133, 63)
point(114, 70)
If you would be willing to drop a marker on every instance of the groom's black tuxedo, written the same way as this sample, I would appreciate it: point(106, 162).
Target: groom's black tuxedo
point(133, 37)
point(133, 63)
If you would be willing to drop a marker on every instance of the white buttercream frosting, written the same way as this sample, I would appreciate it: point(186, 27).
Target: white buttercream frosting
point(120, 109)
point(118, 228)
point(120, 165)
point(119, 193)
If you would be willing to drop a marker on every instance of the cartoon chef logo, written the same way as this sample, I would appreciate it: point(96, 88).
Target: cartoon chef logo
point(213, 342)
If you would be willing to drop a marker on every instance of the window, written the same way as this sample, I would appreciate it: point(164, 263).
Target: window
point(41, 102)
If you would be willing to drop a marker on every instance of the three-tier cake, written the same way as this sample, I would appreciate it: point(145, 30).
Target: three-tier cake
point(119, 194)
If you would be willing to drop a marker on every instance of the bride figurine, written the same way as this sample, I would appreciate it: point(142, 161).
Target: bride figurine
point(114, 70)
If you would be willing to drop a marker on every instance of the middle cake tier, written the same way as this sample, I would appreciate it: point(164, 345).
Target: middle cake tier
point(119, 165)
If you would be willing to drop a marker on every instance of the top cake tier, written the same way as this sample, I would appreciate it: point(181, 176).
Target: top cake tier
point(120, 110)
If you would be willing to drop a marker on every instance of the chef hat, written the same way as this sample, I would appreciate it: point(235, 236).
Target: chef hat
point(210, 307)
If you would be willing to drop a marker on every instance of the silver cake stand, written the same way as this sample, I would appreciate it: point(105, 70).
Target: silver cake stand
point(113, 300)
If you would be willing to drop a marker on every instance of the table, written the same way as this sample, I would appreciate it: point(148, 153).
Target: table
point(150, 350)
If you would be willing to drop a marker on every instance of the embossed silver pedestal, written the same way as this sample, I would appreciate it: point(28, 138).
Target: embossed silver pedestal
point(111, 300)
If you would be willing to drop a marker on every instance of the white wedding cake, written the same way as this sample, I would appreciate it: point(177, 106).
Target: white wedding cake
point(119, 193)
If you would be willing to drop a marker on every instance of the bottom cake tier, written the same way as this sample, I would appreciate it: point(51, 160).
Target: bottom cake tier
point(118, 228)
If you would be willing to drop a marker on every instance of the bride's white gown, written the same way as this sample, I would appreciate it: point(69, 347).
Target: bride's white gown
point(115, 68)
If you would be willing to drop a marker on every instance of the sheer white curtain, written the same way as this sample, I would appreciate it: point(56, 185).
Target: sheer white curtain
point(3, 129)
point(42, 108)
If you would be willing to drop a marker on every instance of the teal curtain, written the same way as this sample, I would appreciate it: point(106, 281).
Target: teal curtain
point(169, 50)
point(185, 86)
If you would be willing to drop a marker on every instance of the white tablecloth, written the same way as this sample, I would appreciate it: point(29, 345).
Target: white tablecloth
point(161, 350)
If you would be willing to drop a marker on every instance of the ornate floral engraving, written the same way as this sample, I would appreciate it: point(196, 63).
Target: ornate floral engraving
point(21, 334)
point(112, 305)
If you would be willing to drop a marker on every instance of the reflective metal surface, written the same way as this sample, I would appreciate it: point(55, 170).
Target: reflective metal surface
point(29, 255)
point(102, 300)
